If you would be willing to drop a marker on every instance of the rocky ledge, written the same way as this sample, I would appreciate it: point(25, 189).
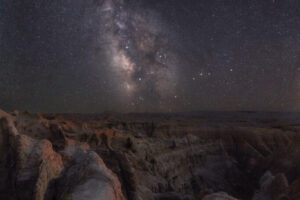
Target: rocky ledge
point(138, 157)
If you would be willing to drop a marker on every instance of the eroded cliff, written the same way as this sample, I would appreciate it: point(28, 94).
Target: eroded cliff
point(146, 158)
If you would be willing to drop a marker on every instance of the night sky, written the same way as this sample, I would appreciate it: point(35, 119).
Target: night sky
point(149, 55)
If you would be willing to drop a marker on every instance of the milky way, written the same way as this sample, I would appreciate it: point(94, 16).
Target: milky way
point(149, 55)
point(139, 54)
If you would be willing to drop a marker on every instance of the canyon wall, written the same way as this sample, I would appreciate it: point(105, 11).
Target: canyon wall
point(146, 158)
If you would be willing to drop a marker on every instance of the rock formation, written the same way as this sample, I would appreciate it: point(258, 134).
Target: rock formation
point(30, 168)
point(138, 157)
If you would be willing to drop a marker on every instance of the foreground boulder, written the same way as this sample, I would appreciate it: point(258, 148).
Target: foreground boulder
point(86, 178)
point(27, 164)
point(30, 168)
point(218, 196)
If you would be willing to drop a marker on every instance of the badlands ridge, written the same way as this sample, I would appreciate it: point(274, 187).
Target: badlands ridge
point(188, 156)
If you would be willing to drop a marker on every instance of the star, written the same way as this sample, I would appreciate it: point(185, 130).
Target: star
point(119, 52)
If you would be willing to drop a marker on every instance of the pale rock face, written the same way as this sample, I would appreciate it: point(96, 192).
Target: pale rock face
point(218, 196)
point(50, 167)
point(87, 178)
point(34, 163)
point(98, 182)
point(273, 187)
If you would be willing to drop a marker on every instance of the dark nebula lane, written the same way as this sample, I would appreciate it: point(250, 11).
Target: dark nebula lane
point(138, 54)
point(149, 55)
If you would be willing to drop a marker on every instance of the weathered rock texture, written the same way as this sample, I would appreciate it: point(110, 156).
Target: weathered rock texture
point(141, 157)
point(39, 162)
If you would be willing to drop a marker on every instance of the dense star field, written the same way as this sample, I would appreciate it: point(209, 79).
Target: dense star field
point(149, 56)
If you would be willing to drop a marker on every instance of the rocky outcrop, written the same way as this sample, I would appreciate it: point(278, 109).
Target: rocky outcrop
point(27, 165)
point(277, 187)
point(152, 158)
point(218, 196)
point(32, 168)
point(86, 177)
